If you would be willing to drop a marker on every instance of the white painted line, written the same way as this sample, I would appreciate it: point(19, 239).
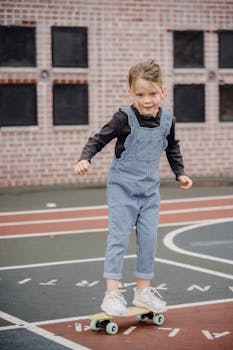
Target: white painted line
point(211, 243)
point(164, 261)
point(182, 200)
point(36, 222)
point(61, 320)
point(196, 199)
point(201, 303)
point(103, 217)
point(104, 229)
point(169, 241)
point(20, 212)
point(195, 268)
point(9, 328)
point(129, 330)
point(195, 210)
point(174, 332)
point(171, 307)
point(56, 233)
point(207, 334)
point(42, 332)
point(24, 281)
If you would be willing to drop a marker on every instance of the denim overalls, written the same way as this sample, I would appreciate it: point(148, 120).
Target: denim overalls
point(134, 197)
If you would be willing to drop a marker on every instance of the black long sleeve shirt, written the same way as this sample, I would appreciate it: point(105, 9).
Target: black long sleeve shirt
point(118, 127)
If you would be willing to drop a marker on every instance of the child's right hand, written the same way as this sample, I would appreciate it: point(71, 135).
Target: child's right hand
point(82, 167)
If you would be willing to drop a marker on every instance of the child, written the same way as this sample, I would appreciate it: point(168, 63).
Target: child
point(143, 131)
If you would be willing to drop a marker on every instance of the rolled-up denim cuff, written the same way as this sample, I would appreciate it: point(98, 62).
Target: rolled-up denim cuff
point(145, 276)
point(112, 276)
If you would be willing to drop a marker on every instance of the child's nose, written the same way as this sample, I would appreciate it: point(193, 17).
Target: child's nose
point(147, 99)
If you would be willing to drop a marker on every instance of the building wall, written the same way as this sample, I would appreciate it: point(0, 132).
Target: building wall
point(120, 33)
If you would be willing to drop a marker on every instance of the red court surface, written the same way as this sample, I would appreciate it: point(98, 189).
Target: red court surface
point(200, 327)
point(95, 218)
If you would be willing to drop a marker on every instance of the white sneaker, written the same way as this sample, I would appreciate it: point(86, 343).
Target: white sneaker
point(146, 298)
point(114, 304)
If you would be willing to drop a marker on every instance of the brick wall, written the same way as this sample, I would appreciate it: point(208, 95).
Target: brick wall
point(120, 33)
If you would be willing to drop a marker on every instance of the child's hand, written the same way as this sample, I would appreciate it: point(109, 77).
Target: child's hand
point(82, 167)
point(185, 181)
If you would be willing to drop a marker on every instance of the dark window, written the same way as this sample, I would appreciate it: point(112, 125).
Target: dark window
point(70, 104)
point(69, 47)
point(226, 103)
point(17, 46)
point(18, 104)
point(225, 48)
point(189, 102)
point(188, 49)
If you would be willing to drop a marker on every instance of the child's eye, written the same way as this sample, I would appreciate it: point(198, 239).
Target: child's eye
point(139, 94)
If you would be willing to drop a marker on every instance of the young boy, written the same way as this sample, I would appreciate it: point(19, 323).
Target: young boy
point(143, 131)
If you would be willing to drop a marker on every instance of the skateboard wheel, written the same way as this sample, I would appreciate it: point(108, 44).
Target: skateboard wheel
point(141, 318)
point(94, 326)
point(111, 328)
point(158, 319)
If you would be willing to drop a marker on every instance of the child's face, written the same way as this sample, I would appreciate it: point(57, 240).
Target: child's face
point(147, 96)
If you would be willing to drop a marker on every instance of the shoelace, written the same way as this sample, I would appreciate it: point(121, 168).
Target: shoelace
point(153, 290)
point(118, 297)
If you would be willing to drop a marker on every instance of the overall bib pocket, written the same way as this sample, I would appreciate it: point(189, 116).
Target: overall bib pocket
point(148, 150)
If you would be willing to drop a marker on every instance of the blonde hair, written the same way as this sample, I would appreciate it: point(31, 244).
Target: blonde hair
point(148, 70)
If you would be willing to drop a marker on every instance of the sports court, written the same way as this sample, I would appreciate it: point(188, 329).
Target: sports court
point(52, 264)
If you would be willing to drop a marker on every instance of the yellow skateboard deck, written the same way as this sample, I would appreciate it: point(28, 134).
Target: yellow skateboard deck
point(132, 311)
point(102, 320)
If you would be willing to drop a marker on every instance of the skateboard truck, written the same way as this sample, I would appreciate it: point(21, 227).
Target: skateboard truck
point(103, 321)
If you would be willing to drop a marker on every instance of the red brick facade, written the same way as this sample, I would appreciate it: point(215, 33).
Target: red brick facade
point(120, 33)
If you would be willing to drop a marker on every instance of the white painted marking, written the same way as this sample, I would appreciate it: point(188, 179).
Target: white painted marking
point(24, 281)
point(129, 330)
point(57, 210)
point(42, 332)
point(49, 283)
point(54, 233)
point(182, 200)
point(231, 288)
point(36, 222)
point(173, 333)
point(212, 336)
point(211, 243)
point(169, 241)
point(195, 210)
point(164, 261)
point(200, 303)
point(105, 229)
point(219, 335)
point(93, 284)
point(130, 284)
point(51, 205)
point(84, 283)
point(9, 328)
point(196, 199)
point(171, 307)
point(201, 289)
point(207, 334)
point(105, 217)
point(162, 286)
point(78, 327)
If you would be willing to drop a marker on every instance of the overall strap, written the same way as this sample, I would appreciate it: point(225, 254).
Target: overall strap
point(132, 119)
point(166, 121)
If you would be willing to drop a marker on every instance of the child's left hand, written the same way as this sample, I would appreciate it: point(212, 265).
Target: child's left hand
point(185, 181)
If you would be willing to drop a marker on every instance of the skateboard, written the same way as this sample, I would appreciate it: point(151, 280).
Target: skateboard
point(103, 321)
